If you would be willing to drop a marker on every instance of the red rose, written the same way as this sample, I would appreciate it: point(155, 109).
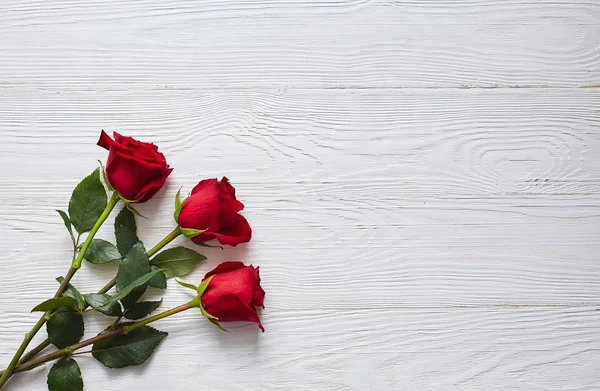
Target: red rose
point(136, 170)
point(233, 293)
point(212, 206)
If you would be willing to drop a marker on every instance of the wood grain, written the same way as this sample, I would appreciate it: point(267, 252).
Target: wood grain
point(120, 45)
point(422, 198)
point(418, 224)
point(410, 349)
point(396, 142)
point(507, 252)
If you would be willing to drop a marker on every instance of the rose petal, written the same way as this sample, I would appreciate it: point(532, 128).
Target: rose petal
point(239, 281)
point(233, 230)
point(154, 185)
point(130, 175)
point(230, 308)
point(258, 297)
point(201, 210)
point(227, 195)
point(225, 267)
point(105, 141)
point(233, 292)
point(210, 185)
point(134, 168)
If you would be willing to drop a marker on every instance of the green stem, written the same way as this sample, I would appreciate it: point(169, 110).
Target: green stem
point(13, 363)
point(110, 334)
point(35, 351)
point(167, 239)
point(65, 283)
point(114, 199)
point(194, 303)
point(116, 323)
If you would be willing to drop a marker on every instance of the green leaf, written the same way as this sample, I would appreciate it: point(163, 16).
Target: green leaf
point(177, 261)
point(104, 177)
point(54, 303)
point(125, 231)
point(98, 302)
point(187, 285)
point(133, 348)
point(142, 309)
point(127, 290)
point(158, 281)
point(133, 266)
point(65, 327)
point(87, 202)
point(65, 375)
point(68, 224)
point(100, 251)
point(72, 292)
point(191, 232)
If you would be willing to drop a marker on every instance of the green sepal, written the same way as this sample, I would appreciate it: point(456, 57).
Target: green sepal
point(67, 221)
point(208, 245)
point(54, 303)
point(209, 316)
point(178, 199)
point(125, 200)
point(187, 285)
point(65, 375)
point(65, 327)
point(200, 290)
point(133, 348)
point(128, 205)
point(203, 285)
point(191, 232)
point(178, 205)
point(218, 325)
point(87, 203)
point(134, 210)
point(106, 182)
point(98, 302)
point(72, 292)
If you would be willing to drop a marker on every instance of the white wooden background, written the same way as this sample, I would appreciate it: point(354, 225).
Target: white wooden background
point(422, 177)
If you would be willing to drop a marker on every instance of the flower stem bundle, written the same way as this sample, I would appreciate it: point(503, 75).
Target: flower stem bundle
point(134, 172)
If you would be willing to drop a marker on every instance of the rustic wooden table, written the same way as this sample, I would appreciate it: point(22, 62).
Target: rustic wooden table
point(422, 177)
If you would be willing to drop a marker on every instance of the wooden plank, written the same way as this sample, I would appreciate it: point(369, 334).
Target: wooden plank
point(418, 349)
point(468, 252)
point(410, 142)
point(123, 45)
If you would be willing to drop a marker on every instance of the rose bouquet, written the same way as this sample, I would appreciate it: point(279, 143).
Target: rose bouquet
point(133, 173)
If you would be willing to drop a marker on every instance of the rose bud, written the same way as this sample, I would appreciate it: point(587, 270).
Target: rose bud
point(135, 169)
point(212, 207)
point(233, 293)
